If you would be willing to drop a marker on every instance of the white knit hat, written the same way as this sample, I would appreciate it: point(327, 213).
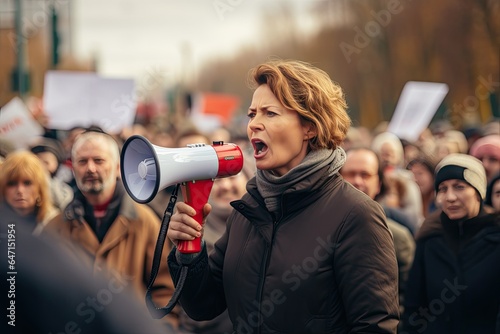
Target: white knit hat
point(462, 167)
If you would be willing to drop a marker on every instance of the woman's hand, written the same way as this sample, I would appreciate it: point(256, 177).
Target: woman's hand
point(182, 224)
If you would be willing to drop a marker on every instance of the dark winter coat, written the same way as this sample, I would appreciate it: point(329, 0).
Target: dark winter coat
point(326, 265)
point(47, 288)
point(454, 284)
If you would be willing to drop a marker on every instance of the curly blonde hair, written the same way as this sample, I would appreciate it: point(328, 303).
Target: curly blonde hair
point(310, 92)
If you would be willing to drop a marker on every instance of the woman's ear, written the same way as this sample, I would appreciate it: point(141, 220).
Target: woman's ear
point(309, 131)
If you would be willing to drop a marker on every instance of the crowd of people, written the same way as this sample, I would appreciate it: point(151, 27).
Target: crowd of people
point(328, 228)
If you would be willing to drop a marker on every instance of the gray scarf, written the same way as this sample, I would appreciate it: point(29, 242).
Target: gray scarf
point(271, 187)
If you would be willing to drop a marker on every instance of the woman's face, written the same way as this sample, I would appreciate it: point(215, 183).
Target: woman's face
point(495, 196)
point(49, 160)
point(458, 199)
point(21, 195)
point(424, 178)
point(491, 165)
point(278, 137)
point(388, 156)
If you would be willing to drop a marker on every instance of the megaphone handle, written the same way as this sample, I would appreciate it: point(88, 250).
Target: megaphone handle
point(196, 195)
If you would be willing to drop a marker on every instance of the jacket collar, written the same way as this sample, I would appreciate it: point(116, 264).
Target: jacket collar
point(296, 198)
point(75, 212)
point(438, 224)
point(76, 209)
point(253, 208)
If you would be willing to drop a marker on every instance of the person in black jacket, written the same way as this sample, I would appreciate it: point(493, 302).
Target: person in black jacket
point(303, 250)
point(453, 283)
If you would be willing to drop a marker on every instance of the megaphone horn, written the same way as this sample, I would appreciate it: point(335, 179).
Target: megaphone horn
point(146, 169)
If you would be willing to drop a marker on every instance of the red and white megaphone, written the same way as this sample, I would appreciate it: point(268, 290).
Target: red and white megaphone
point(147, 168)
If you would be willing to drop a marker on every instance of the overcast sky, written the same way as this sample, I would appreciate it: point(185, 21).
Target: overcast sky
point(132, 37)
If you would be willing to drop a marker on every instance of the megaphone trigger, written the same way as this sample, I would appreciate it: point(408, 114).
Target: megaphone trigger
point(195, 194)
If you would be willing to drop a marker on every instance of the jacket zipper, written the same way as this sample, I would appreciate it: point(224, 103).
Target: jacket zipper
point(264, 269)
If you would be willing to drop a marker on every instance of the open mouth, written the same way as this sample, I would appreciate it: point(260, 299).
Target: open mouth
point(259, 147)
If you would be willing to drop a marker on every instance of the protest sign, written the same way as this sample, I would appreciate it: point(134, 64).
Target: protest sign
point(17, 125)
point(83, 99)
point(416, 106)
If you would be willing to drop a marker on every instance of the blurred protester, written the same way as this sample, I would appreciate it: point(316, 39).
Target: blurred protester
point(303, 250)
point(440, 127)
point(426, 142)
point(352, 139)
point(362, 169)
point(220, 134)
point(458, 139)
point(65, 171)
point(191, 135)
point(493, 193)
point(492, 127)
point(51, 153)
point(135, 129)
point(472, 133)
point(118, 233)
point(453, 283)
point(69, 139)
point(163, 139)
point(487, 149)
point(452, 141)
point(25, 193)
point(411, 151)
point(51, 290)
point(389, 149)
point(395, 191)
point(365, 135)
point(382, 126)
point(422, 168)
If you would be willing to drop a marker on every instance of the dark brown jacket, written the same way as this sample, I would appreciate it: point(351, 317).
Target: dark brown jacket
point(326, 265)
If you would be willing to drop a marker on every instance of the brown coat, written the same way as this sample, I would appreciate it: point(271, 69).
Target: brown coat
point(127, 248)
